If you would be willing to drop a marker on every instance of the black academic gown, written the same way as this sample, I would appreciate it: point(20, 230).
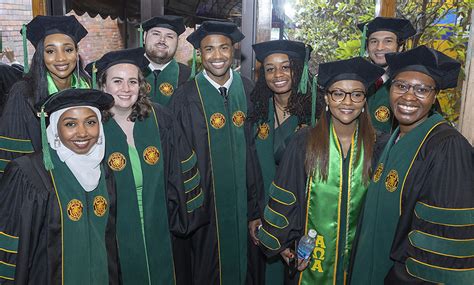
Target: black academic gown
point(8, 76)
point(154, 80)
point(440, 184)
point(29, 211)
point(19, 125)
point(187, 108)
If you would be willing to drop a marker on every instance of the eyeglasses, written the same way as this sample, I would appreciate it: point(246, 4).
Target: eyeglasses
point(339, 95)
point(421, 91)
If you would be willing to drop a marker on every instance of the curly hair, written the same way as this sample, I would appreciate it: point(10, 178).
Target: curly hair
point(298, 104)
point(142, 107)
point(36, 76)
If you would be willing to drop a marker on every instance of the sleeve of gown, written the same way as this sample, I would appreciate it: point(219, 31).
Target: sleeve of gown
point(22, 212)
point(184, 191)
point(283, 217)
point(15, 138)
point(110, 232)
point(441, 242)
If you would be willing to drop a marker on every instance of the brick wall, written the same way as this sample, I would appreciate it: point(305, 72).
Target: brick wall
point(13, 13)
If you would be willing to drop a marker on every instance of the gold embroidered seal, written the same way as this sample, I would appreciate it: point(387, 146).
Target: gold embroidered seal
point(117, 161)
point(391, 181)
point(151, 155)
point(74, 210)
point(166, 89)
point(217, 120)
point(382, 114)
point(263, 131)
point(378, 172)
point(100, 206)
point(238, 118)
point(148, 88)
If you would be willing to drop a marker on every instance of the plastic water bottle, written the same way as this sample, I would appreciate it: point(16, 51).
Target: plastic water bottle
point(306, 245)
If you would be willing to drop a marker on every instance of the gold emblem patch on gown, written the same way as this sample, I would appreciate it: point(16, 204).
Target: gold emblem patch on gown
point(238, 118)
point(263, 131)
point(148, 88)
point(117, 161)
point(378, 172)
point(100, 206)
point(166, 89)
point(151, 155)
point(217, 120)
point(391, 182)
point(74, 210)
point(382, 114)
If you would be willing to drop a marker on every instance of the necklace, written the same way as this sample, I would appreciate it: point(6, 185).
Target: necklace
point(285, 112)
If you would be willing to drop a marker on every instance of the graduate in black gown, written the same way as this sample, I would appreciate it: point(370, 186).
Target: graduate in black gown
point(58, 206)
point(8, 76)
point(164, 74)
point(55, 66)
point(212, 111)
point(158, 186)
point(281, 108)
point(417, 225)
point(322, 179)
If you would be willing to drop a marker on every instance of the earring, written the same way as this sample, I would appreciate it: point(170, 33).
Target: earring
point(327, 108)
point(363, 109)
point(57, 142)
point(100, 140)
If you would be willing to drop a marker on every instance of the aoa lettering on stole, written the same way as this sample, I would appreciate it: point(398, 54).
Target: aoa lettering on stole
point(318, 254)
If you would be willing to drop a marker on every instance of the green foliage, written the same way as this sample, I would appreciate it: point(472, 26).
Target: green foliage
point(330, 27)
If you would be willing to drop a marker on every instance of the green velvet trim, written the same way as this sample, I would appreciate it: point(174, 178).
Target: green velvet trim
point(281, 195)
point(268, 240)
point(15, 145)
point(456, 248)
point(195, 202)
point(445, 216)
point(3, 164)
point(274, 218)
point(7, 271)
point(437, 274)
point(189, 163)
point(192, 183)
point(8, 243)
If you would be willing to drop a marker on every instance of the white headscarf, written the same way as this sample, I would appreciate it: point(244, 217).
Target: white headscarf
point(85, 167)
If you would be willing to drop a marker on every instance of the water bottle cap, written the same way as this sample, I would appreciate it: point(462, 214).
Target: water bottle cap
point(312, 233)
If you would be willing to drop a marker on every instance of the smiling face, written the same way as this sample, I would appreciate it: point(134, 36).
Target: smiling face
point(379, 44)
point(346, 111)
point(79, 129)
point(60, 56)
point(161, 44)
point(123, 84)
point(278, 73)
point(410, 110)
point(217, 53)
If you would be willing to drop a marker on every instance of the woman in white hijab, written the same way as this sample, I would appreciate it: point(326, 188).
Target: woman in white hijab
point(57, 207)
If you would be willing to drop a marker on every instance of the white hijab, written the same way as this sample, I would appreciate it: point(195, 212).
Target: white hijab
point(85, 167)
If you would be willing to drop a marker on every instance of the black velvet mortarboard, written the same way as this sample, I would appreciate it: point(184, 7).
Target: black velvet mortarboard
point(175, 23)
point(42, 26)
point(227, 29)
point(401, 27)
point(134, 56)
point(443, 69)
point(355, 68)
point(291, 48)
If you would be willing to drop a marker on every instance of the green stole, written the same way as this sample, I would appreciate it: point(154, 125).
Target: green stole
point(135, 249)
point(383, 205)
point(326, 213)
point(74, 83)
point(269, 141)
point(163, 86)
point(379, 109)
point(84, 217)
point(227, 147)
